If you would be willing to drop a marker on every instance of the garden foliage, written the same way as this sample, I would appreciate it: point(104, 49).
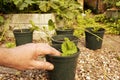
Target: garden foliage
point(68, 47)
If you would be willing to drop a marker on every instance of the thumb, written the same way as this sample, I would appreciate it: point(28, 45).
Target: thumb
point(43, 65)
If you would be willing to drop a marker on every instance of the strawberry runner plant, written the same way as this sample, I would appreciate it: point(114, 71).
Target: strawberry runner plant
point(68, 48)
point(45, 29)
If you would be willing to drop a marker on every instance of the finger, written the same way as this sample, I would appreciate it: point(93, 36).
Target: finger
point(46, 49)
point(54, 52)
point(42, 65)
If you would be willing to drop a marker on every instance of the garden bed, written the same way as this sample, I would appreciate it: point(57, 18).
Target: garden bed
point(101, 64)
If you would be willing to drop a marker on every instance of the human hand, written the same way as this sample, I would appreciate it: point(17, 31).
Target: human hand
point(25, 56)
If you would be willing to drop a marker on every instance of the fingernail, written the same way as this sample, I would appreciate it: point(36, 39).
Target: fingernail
point(51, 67)
point(58, 53)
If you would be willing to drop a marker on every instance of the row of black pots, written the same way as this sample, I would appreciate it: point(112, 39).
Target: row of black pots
point(93, 40)
point(23, 36)
point(64, 66)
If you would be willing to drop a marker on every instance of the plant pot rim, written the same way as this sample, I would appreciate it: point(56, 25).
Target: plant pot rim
point(65, 36)
point(58, 40)
point(24, 31)
point(61, 29)
point(63, 57)
point(90, 29)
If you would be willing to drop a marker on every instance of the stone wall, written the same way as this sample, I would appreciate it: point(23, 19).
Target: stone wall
point(22, 21)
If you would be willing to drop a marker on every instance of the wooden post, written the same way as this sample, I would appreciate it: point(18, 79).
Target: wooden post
point(82, 3)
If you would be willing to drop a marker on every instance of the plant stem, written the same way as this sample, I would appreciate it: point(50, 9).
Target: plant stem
point(94, 34)
point(5, 29)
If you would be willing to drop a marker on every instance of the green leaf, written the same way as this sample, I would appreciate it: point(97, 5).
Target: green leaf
point(1, 20)
point(118, 3)
point(16, 2)
point(23, 5)
point(10, 45)
point(68, 47)
point(34, 27)
point(54, 5)
point(51, 25)
point(44, 6)
point(30, 2)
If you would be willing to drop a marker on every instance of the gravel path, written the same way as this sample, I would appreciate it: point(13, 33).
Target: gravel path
point(102, 64)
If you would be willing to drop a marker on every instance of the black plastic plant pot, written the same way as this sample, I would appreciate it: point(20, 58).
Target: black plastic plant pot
point(59, 39)
point(64, 67)
point(23, 36)
point(94, 39)
point(60, 31)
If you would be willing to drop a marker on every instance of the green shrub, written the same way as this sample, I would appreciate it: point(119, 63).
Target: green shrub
point(1, 20)
point(112, 25)
point(39, 6)
point(100, 18)
point(86, 20)
point(113, 28)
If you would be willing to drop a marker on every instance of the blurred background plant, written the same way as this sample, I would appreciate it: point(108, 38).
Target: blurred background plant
point(86, 20)
point(39, 6)
point(2, 20)
point(65, 11)
point(112, 25)
point(10, 44)
point(112, 3)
